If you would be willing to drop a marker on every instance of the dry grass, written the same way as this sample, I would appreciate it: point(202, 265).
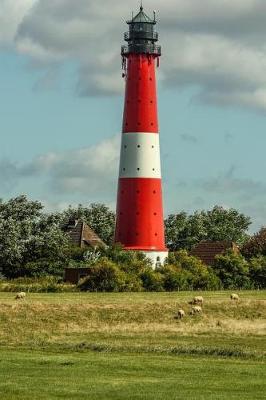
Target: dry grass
point(145, 321)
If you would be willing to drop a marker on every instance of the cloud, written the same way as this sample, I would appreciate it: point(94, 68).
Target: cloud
point(216, 46)
point(89, 171)
point(11, 15)
point(228, 183)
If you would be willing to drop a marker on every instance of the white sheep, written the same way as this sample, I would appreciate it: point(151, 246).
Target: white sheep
point(180, 314)
point(20, 296)
point(234, 297)
point(197, 300)
point(196, 310)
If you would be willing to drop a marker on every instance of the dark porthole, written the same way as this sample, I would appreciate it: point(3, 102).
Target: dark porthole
point(153, 169)
point(138, 146)
point(138, 192)
point(151, 102)
point(156, 234)
point(138, 169)
point(152, 147)
point(152, 124)
point(125, 147)
point(154, 192)
point(124, 169)
point(155, 214)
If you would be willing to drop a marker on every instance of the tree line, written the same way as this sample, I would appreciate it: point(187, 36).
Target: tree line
point(33, 244)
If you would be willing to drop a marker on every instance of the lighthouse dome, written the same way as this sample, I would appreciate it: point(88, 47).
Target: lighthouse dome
point(141, 37)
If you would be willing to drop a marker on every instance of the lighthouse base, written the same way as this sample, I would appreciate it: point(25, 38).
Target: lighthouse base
point(157, 257)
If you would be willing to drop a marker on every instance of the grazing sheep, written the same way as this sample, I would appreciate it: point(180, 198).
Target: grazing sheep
point(197, 300)
point(20, 296)
point(180, 314)
point(234, 296)
point(196, 310)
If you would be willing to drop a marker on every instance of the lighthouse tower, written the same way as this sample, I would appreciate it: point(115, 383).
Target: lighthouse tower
point(140, 224)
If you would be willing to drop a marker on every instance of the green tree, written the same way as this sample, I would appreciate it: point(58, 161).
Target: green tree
point(193, 273)
point(257, 272)
point(256, 245)
point(105, 276)
point(28, 235)
point(183, 231)
point(233, 271)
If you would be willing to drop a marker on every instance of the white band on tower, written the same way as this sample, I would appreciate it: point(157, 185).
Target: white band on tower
point(140, 156)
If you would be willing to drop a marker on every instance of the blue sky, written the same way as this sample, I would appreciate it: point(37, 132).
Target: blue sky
point(61, 99)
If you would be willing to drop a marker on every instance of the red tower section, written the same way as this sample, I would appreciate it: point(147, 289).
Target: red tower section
point(139, 224)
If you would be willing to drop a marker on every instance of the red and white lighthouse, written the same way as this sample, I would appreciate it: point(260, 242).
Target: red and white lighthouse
point(140, 224)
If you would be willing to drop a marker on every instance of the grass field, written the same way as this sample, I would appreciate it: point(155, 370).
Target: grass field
point(130, 346)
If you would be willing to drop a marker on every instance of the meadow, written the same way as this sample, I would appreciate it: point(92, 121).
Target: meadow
point(130, 346)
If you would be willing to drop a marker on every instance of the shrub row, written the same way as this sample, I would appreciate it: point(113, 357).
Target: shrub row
point(48, 284)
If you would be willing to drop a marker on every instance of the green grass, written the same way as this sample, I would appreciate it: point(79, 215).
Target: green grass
point(94, 376)
point(130, 346)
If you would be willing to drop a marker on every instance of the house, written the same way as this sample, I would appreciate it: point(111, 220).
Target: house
point(82, 235)
point(206, 251)
point(73, 275)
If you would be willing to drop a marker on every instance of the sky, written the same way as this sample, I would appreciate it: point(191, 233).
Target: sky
point(61, 102)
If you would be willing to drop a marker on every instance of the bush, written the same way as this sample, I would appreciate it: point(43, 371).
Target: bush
point(48, 284)
point(175, 279)
point(42, 268)
point(152, 281)
point(256, 245)
point(257, 272)
point(193, 274)
point(233, 271)
point(125, 258)
point(105, 276)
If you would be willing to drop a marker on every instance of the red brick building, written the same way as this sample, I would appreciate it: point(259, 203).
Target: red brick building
point(206, 251)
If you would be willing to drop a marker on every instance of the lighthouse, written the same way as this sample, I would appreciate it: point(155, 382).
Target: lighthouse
point(139, 222)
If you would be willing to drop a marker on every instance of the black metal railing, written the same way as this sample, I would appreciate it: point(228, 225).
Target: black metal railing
point(143, 35)
point(146, 48)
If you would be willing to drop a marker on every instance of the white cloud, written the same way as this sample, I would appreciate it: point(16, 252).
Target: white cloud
point(215, 45)
point(11, 15)
point(89, 171)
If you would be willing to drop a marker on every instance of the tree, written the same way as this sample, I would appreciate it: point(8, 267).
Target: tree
point(183, 231)
point(256, 245)
point(257, 271)
point(192, 272)
point(105, 276)
point(98, 216)
point(28, 235)
point(233, 271)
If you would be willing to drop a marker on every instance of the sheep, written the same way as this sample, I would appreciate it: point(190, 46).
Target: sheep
point(180, 314)
point(234, 297)
point(20, 296)
point(196, 310)
point(197, 300)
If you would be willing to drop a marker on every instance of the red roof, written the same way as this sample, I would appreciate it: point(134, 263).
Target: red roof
point(207, 250)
